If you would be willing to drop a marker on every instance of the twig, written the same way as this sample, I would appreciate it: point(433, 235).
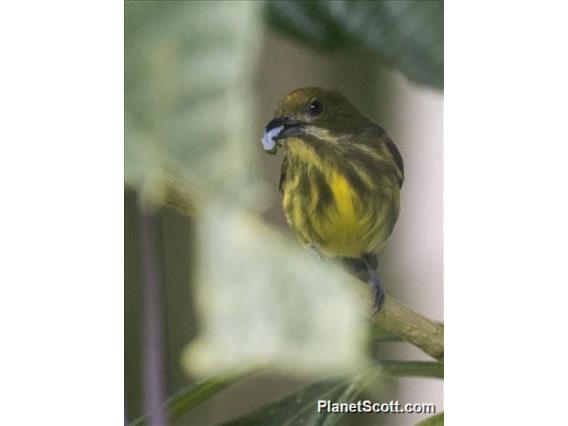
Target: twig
point(395, 318)
point(406, 324)
point(412, 327)
point(412, 368)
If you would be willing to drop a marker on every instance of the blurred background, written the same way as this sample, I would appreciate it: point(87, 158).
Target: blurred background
point(201, 81)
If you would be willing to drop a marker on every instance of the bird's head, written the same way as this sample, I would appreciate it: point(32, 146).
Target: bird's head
point(311, 110)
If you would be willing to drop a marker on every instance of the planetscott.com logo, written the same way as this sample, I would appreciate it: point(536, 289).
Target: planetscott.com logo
point(367, 406)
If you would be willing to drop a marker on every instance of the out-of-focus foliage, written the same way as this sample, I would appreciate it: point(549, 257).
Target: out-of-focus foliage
point(266, 302)
point(437, 420)
point(183, 401)
point(189, 114)
point(188, 100)
point(300, 408)
point(408, 35)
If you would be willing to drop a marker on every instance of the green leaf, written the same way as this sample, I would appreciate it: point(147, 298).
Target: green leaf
point(437, 420)
point(300, 402)
point(300, 407)
point(182, 402)
point(408, 35)
point(266, 301)
point(189, 68)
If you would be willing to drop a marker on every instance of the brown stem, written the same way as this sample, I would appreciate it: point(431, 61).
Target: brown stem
point(412, 327)
point(395, 318)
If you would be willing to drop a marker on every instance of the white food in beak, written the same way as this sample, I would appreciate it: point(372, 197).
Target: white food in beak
point(268, 141)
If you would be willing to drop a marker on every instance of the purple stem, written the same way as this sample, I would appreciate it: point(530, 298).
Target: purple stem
point(153, 349)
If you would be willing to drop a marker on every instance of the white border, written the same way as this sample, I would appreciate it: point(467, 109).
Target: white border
point(61, 226)
point(506, 158)
point(61, 232)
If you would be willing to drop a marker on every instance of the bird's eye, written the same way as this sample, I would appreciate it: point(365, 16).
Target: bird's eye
point(315, 107)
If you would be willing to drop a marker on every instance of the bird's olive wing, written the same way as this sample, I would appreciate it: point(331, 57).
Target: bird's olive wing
point(397, 157)
point(283, 170)
point(377, 138)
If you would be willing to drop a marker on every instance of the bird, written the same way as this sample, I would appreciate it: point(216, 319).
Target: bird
point(340, 179)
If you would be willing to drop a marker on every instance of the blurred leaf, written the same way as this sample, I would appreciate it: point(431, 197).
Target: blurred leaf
point(188, 103)
point(408, 35)
point(182, 402)
point(300, 407)
point(336, 390)
point(265, 301)
point(437, 420)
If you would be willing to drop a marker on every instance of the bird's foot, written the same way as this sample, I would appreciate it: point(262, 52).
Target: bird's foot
point(377, 292)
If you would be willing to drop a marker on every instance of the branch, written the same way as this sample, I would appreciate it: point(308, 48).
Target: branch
point(412, 368)
point(395, 318)
point(402, 322)
point(412, 327)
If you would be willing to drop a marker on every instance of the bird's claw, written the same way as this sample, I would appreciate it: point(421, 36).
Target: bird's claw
point(378, 294)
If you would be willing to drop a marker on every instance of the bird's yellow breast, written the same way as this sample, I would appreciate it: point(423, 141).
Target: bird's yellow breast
point(341, 224)
point(326, 210)
point(343, 216)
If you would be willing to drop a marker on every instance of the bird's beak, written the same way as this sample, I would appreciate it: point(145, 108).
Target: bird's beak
point(277, 129)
